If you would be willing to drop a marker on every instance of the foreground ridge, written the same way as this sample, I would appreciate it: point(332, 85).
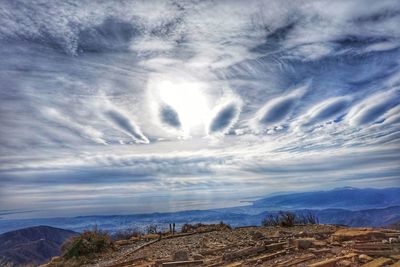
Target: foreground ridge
point(308, 245)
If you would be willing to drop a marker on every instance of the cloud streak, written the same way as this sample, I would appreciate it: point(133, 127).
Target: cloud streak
point(188, 101)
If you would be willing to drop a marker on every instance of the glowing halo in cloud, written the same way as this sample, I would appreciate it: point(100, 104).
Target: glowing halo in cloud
point(179, 104)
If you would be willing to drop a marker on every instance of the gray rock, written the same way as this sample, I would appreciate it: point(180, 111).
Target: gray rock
point(181, 255)
point(198, 257)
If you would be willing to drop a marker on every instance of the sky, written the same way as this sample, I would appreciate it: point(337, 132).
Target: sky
point(121, 107)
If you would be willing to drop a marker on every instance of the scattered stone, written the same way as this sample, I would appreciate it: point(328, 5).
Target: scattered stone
point(302, 234)
point(183, 263)
point(198, 257)
point(181, 255)
point(324, 263)
point(363, 234)
point(332, 261)
point(319, 243)
point(303, 243)
point(278, 233)
point(256, 235)
point(378, 262)
point(364, 258)
point(344, 263)
point(256, 246)
point(320, 251)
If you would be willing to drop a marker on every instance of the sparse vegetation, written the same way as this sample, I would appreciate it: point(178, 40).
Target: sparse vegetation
point(127, 233)
point(152, 229)
point(308, 218)
point(289, 219)
point(87, 243)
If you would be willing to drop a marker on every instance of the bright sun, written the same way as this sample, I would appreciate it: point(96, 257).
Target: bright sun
point(187, 99)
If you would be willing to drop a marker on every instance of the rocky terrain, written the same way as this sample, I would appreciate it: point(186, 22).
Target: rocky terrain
point(308, 245)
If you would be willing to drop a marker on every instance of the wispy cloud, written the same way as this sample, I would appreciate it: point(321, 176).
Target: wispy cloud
point(140, 99)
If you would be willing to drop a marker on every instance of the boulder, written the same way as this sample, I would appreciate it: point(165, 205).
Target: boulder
point(198, 257)
point(363, 234)
point(344, 263)
point(378, 262)
point(303, 243)
point(365, 258)
point(181, 255)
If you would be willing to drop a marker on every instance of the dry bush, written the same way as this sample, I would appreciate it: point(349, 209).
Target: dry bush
point(308, 218)
point(87, 243)
point(287, 219)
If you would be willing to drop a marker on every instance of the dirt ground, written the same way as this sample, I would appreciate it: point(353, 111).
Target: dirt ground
point(311, 245)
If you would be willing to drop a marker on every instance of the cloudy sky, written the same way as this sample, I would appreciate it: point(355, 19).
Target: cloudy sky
point(139, 106)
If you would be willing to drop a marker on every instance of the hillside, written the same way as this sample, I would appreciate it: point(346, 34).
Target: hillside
point(34, 245)
point(208, 245)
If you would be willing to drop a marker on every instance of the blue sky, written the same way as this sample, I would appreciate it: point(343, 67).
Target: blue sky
point(142, 106)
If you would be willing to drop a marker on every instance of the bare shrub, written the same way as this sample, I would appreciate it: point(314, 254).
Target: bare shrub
point(307, 218)
point(152, 229)
point(289, 219)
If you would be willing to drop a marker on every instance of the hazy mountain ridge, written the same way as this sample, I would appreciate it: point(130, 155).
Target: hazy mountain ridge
point(246, 215)
point(346, 197)
point(34, 245)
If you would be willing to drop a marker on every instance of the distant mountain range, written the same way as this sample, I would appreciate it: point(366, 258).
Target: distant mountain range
point(33, 245)
point(348, 206)
point(346, 197)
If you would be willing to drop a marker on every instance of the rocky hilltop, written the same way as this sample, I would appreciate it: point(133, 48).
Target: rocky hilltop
point(302, 245)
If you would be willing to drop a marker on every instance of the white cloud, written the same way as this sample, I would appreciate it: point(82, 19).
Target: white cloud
point(370, 109)
point(80, 74)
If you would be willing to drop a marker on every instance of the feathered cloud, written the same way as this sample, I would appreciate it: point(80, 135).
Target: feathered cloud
point(224, 116)
point(277, 110)
point(373, 107)
point(68, 123)
point(329, 109)
point(128, 97)
point(122, 122)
